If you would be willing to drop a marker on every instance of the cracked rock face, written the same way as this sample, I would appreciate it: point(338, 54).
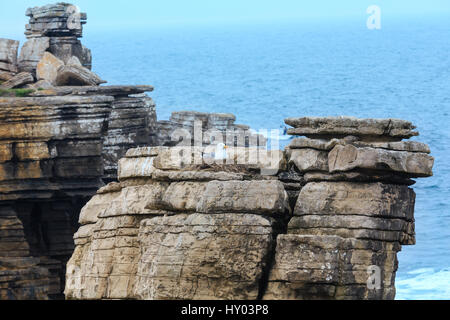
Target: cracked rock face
point(176, 235)
point(53, 157)
point(173, 230)
point(354, 211)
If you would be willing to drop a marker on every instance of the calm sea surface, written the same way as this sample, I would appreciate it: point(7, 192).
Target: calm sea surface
point(266, 73)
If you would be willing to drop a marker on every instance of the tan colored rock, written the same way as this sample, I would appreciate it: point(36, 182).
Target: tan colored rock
point(175, 257)
point(330, 267)
point(202, 256)
point(135, 167)
point(31, 53)
point(40, 85)
point(74, 75)
point(346, 158)
point(355, 176)
point(183, 196)
point(18, 80)
point(105, 261)
point(318, 144)
point(74, 61)
point(192, 175)
point(308, 159)
point(296, 227)
point(367, 129)
point(261, 197)
point(350, 198)
point(5, 75)
point(47, 68)
point(8, 55)
point(178, 158)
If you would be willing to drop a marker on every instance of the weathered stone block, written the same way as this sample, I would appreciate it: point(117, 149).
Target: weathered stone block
point(346, 158)
point(262, 197)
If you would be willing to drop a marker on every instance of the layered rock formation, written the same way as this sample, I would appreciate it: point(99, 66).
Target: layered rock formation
point(173, 229)
point(202, 129)
point(326, 224)
point(53, 53)
point(354, 212)
point(58, 145)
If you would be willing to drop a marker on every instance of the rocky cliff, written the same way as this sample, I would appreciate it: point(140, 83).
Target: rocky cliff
point(202, 129)
point(326, 222)
point(61, 136)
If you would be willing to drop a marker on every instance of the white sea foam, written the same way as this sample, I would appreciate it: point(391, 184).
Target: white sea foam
point(424, 284)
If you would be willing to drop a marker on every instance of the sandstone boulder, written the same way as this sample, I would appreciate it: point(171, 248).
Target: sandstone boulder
point(31, 53)
point(47, 68)
point(346, 158)
point(75, 75)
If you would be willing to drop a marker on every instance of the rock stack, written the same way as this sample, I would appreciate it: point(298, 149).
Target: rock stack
point(53, 54)
point(173, 230)
point(354, 212)
point(327, 224)
point(58, 25)
point(213, 127)
point(21, 277)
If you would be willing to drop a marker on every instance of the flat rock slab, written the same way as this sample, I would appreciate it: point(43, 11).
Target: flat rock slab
point(262, 197)
point(327, 145)
point(47, 68)
point(77, 75)
point(93, 90)
point(349, 157)
point(349, 126)
point(6, 75)
point(356, 199)
point(18, 80)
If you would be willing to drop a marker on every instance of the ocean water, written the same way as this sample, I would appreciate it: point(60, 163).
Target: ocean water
point(265, 73)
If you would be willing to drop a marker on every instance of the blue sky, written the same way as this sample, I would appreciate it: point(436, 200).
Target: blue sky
point(104, 14)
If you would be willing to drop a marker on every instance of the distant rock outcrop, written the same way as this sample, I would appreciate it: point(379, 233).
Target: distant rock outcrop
point(213, 127)
point(177, 226)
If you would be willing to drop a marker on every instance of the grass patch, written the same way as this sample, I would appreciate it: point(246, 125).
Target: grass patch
point(19, 93)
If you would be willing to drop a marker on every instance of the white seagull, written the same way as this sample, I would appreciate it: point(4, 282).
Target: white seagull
point(221, 152)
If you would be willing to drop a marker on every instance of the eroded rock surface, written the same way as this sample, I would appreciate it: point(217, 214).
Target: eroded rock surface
point(202, 129)
point(177, 235)
point(178, 227)
point(58, 145)
point(354, 211)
